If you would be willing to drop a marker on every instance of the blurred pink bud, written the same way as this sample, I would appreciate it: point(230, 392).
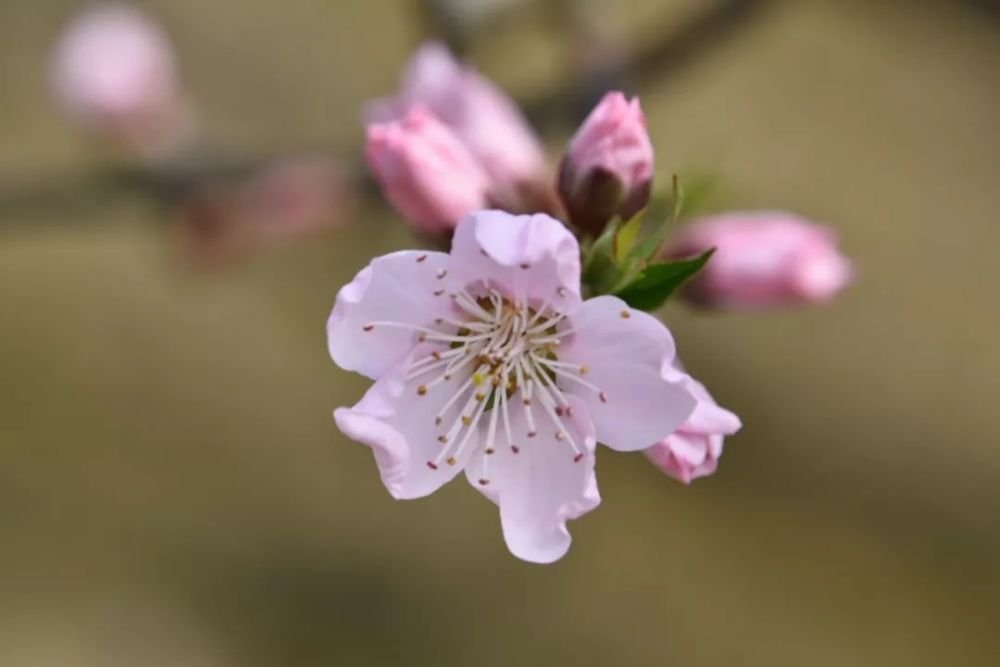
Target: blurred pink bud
point(286, 201)
point(693, 450)
point(295, 197)
point(425, 170)
point(609, 165)
point(113, 71)
point(762, 259)
point(483, 117)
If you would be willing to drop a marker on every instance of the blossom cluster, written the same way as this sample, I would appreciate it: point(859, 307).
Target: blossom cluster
point(512, 356)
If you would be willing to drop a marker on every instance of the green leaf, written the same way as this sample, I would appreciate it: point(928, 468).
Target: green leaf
point(655, 283)
point(600, 271)
point(648, 248)
point(626, 237)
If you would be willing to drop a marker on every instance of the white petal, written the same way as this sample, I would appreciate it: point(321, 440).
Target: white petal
point(529, 258)
point(627, 353)
point(542, 486)
point(400, 426)
point(402, 287)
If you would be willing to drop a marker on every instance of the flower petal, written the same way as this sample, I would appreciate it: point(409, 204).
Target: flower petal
point(542, 486)
point(399, 424)
point(708, 416)
point(627, 354)
point(529, 258)
point(402, 287)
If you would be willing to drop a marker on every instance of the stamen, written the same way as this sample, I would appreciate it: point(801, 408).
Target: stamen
point(548, 403)
point(469, 305)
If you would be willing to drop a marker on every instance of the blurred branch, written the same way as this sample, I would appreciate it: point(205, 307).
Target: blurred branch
point(167, 182)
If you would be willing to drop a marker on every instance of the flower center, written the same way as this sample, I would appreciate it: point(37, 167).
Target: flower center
point(506, 353)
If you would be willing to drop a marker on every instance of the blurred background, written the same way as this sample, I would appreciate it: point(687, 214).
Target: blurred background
point(173, 490)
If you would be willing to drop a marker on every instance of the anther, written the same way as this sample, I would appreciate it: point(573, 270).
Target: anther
point(603, 396)
point(441, 273)
point(432, 465)
point(490, 452)
point(443, 439)
point(422, 337)
point(578, 458)
point(562, 291)
point(515, 449)
point(532, 434)
point(625, 314)
point(368, 327)
point(560, 411)
point(480, 395)
point(568, 410)
point(466, 420)
point(525, 266)
point(560, 435)
point(421, 390)
point(484, 482)
point(438, 292)
point(451, 460)
point(584, 370)
point(421, 258)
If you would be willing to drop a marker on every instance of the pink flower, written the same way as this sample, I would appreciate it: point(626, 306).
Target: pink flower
point(693, 450)
point(483, 117)
point(763, 259)
point(114, 71)
point(608, 166)
point(487, 360)
point(425, 170)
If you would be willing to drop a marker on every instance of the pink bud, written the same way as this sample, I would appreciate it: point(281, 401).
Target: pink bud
point(425, 171)
point(608, 166)
point(113, 71)
point(693, 450)
point(762, 259)
point(293, 199)
point(481, 115)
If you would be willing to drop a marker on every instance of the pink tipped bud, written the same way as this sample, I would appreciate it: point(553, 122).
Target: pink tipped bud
point(425, 171)
point(693, 450)
point(609, 165)
point(763, 259)
point(113, 71)
point(484, 118)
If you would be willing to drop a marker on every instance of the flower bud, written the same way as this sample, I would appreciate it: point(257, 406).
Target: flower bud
point(609, 165)
point(295, 198)
point(483, 117)
point(762, 259)
point(425, 171)
point(693, 450)
point(113, 71)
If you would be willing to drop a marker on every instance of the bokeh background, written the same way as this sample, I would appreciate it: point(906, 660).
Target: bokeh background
point(173, 490)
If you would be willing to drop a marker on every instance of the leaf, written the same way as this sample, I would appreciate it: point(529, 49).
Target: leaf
point(600, 270)
point(652, 243)
point(655, 283)
point(626, 237)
